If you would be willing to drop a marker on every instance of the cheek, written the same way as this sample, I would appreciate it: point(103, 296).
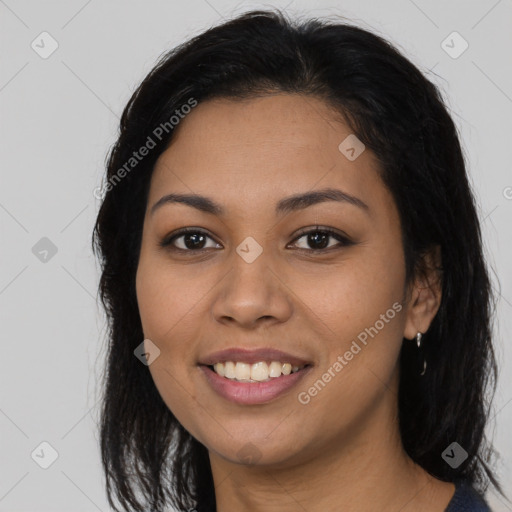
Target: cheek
point(346, 298)
point(166, 298)
point(154, 302)
point(358, 311)
point(359, 315)
point(166, 307)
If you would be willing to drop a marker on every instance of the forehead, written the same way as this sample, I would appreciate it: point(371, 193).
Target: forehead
point(258, 150)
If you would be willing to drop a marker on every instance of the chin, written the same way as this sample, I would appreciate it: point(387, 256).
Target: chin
point(257, 452)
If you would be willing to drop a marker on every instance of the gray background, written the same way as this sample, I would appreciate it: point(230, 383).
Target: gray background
point(59, 116)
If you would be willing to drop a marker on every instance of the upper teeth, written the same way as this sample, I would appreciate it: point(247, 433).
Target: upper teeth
point(256, 372)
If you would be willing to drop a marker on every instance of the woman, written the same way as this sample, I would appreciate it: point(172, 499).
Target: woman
point(299, 308)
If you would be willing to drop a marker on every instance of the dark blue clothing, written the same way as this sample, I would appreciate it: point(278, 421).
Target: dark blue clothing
point(466, 499)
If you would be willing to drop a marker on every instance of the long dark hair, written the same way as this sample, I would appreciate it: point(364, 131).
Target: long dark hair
point(400, 116)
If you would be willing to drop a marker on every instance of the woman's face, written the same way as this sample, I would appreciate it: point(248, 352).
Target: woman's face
point(251, 280)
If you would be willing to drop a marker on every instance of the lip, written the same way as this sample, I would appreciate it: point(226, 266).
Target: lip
point(252, 356)
point(251, 393)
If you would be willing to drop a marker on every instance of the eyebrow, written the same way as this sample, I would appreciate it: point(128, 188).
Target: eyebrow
point(284, 206)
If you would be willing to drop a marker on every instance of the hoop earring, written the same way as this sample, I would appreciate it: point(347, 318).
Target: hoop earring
point(421, 354)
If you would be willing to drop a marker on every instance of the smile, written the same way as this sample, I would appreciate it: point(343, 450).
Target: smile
point(257, 372)
point(249, 391)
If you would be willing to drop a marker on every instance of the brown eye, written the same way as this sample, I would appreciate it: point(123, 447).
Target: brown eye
point(196, 240)
point(190, 240)
point(318, 240)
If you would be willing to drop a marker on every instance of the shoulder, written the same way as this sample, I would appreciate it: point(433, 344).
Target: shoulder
point(466, 499)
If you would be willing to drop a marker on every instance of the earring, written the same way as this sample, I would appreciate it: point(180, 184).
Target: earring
point(421, 353)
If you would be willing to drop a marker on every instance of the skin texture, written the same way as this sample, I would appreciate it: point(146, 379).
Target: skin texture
point(343, 448)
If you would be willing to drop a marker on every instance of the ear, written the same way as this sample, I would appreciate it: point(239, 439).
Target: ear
point(424, 294)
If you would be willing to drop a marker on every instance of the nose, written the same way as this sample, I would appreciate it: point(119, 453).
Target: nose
point(252, 294)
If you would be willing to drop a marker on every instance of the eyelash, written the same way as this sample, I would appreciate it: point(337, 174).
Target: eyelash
point(166, 243)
